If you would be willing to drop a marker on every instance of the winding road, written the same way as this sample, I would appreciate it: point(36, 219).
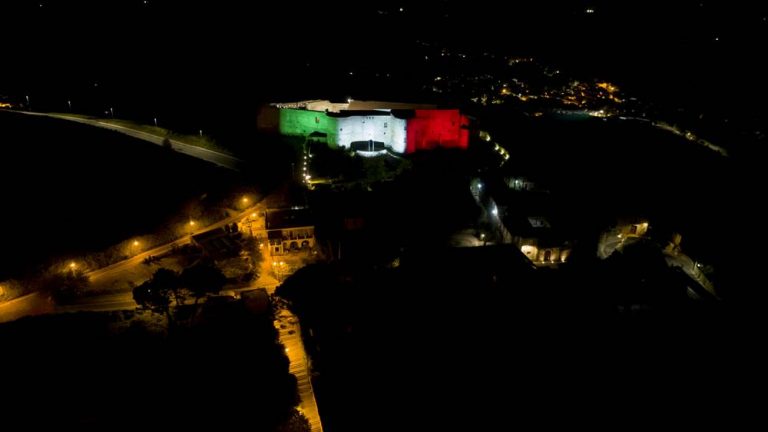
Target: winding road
point(220, 159)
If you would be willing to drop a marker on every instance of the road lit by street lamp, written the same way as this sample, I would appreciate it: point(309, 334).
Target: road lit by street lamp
point(278, 267)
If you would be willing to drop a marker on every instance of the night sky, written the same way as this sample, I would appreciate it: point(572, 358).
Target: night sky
point(161, 55)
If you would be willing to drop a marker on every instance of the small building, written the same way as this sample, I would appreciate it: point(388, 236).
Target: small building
point(290, 230)
point(520, 183)
point(524, 221)
point(632, 227)
point(538, 241)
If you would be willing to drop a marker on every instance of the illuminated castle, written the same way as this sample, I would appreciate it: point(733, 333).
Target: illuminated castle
point(369, 126)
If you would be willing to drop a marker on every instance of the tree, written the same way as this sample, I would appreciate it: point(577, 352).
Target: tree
point(155, 293)
point(63, 287)
point(168, 282)
point(147, 295)
point(202, 279)
point(295, 423)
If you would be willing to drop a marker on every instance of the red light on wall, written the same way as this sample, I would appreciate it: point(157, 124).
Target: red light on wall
point(429, 129)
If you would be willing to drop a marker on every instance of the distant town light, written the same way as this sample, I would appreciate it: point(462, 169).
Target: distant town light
point(135, 242)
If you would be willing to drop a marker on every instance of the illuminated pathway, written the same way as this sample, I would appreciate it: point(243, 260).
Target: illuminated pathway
point(35, 304)
point(114, 270)
point(290, 336)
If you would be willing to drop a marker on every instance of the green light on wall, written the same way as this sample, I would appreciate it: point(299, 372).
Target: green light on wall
point(303, 123)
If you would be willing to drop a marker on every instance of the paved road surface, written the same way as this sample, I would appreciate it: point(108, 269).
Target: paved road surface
point(220, 159)
point(34, 304)
point(115, 269)
point(30, 304)
point(101, 303)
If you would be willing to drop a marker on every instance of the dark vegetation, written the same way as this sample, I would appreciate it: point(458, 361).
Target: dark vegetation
point(472, 339)
point(80, 190)
point(106, 369)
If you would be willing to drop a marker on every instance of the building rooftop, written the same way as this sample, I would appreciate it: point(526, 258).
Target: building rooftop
point(288, 218)
point(352, 105)
point(217, 243)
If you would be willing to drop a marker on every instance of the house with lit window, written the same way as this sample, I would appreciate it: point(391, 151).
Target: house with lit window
point(289, 230)
point(538, 240)
point(523, 218)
